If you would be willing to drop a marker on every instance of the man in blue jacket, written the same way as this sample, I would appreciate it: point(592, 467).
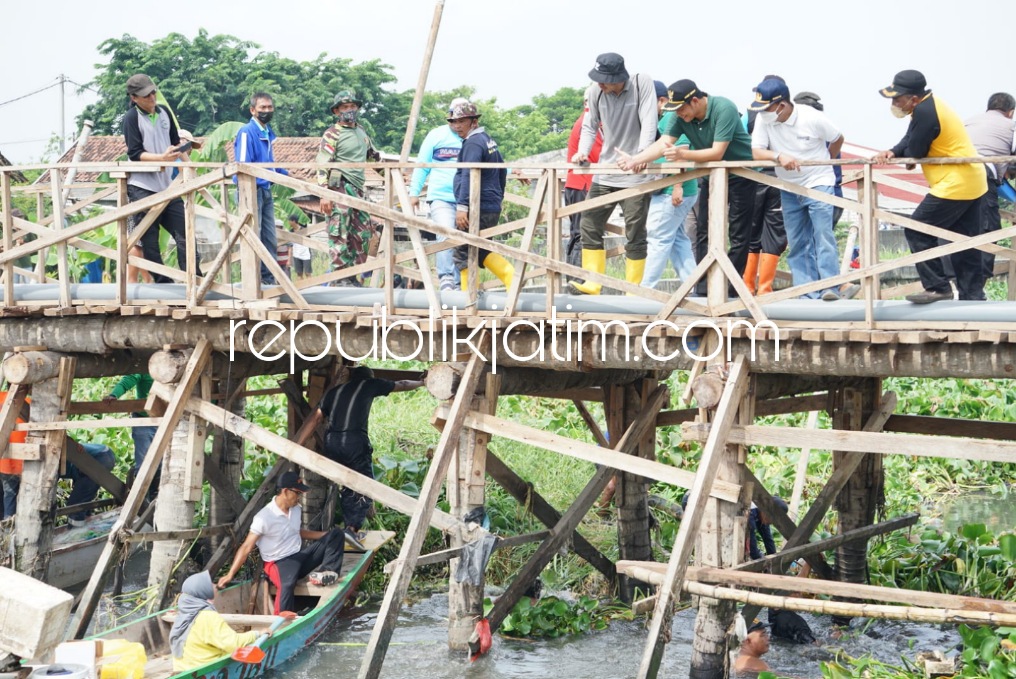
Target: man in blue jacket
point(478, 147)
point(441, 145)
point(253, 144)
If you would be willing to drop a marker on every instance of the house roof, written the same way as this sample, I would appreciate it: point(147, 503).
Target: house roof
point(16, 177)
point(104, 149)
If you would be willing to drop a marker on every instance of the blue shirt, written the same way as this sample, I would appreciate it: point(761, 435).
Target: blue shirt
point(253, 144)
point(441, 145)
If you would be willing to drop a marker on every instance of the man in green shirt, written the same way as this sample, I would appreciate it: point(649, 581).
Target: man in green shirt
point(141, 383)
point(715, 130)
point(349, 230)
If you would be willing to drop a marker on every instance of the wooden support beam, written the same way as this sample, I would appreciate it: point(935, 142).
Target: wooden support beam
point(10, 410)
point(775, 406)
point(381, 635)
point(737, 385)
point(584, 451)
point(527, 497)
point(594, 426)
point(88, 466)
point(455, 552)
point(952, 426)
point(135, 498)
point(176, 535)
point(569, 521)
point(221, 485)
point(306, 458)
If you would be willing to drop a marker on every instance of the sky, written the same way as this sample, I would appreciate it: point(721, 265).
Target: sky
point(844, 51)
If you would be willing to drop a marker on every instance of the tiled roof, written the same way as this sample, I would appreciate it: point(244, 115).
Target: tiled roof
point(102, 149)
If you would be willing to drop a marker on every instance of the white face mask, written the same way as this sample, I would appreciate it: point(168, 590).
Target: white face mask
point(768, 117)
point(898, 112)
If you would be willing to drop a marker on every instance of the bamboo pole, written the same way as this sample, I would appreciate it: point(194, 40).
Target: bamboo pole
point(421, 83)
point(8, 242)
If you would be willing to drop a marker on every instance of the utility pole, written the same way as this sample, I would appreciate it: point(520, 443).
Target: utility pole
point(63, 118)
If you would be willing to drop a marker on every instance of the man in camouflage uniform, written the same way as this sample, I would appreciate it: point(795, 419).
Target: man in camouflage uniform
point(349, 230)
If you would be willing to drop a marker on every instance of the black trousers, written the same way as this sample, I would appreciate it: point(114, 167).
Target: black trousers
point(768, 235)
point(354, 451)
point(574, 250)
point(991, 220)
point(461, 253)
point(172, 220)
point(959, 216)
point(740, 204)
point(323, 554)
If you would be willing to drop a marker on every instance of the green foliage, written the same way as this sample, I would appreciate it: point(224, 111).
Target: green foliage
point(551, 617)
point(988, 652)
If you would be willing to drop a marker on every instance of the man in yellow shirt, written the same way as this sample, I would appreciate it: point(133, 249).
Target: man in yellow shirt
point(199, 634)
point(955, 199)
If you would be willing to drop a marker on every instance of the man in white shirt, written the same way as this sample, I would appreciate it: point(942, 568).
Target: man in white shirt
point(278, 533)
point(789, 134)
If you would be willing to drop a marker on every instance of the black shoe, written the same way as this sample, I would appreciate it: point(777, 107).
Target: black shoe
point(929, 296)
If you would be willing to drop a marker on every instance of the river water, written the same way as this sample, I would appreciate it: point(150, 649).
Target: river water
point(419, 648)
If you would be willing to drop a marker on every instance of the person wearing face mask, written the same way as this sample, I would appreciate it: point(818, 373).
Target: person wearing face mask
point(789, 134)
point(956, 192)
point(253, 144)
point(349, 229)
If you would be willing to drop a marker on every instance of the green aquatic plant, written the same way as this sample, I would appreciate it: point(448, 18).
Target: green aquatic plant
point(551, 617)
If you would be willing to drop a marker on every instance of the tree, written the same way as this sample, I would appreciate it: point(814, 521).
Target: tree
point(208, 81)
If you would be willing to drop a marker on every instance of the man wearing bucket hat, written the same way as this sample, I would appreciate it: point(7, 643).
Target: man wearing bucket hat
point(478, 147)
point(955, 198)
point(151, 135)
point(623, 108)
point(789, 134)
point(349, 229)
point(992, 135)
point(714, 128)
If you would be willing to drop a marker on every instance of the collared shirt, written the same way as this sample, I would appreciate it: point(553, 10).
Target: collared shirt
point(279, 532)
point(722, 122)
point(628, 121)
point(992, 135)
point(805, 135)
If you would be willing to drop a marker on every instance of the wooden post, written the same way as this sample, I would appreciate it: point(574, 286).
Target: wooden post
point(63, 272)
point(864, 493)
point(421, 83)
point(174, 509)
point(473, 258)
point(190, 231)
point(712, 456)
point(122, 251)
point(37, 497)
point(465, 492)
point(869, 241)
point(318, 502)
point(250, 265)
point(226, 458)
point(377, 647)
point(8, 227)
point(135, 499)
point(716, 291)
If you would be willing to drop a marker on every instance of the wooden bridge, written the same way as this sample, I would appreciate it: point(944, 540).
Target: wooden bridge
point(202, 337)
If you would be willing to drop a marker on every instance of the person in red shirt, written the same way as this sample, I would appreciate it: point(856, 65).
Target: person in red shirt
point(576, 186)
point(10, 471)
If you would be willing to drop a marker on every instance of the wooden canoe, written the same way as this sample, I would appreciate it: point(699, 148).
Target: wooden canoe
point(245, 609)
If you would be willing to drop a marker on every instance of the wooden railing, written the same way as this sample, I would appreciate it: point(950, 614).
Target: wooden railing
point(207, 189)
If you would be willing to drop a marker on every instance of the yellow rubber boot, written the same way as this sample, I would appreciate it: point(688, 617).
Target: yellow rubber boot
point(595, 261)
point(767, 272)
point(633, 270)
point(751, 271)
point(464, 275)
point(500, 267)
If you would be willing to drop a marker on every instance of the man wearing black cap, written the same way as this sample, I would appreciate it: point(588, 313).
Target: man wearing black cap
point(713, 125)
point(624, 108)
point(278, 533)
point(955, 199)
point(151, 135)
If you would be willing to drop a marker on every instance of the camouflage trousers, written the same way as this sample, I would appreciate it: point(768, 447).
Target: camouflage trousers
point(349, 231)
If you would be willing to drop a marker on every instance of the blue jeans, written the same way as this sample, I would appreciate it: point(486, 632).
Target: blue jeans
point(667, 239)
point(11, 483)
point(266, 217)
point(83, 488)
point(443, 213)
point(813, 252)
point(142, 437)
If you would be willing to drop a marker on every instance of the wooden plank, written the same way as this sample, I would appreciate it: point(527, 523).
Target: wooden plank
point(542, 186)
point(135, 498)
point(306, 458)
point(594, 426)
point(11, 409)
point(381, 635)
point(527, 497)
point(712, 453)
point(91, 468)
point(569, 521)
point(454, 552)
point(776, 406)
point(63, 271)
point(948, 426)
point(185, 534)
point(632, 464)
point(8, 239)
point(237, 619)
point(65, 425)
point(399, 182)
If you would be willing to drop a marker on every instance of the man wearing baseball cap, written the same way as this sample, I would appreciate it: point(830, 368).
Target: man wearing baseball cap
point(152, 136)
point(278, 533)
point(623, 107)
point(955, 199)
point(714, 128)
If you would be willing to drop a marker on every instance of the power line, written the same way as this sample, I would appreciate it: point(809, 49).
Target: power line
point(84, 87)
point(23, 141)
point(30, 94)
